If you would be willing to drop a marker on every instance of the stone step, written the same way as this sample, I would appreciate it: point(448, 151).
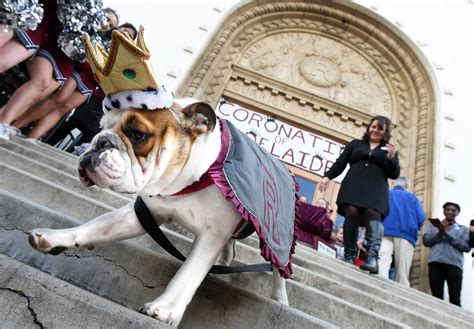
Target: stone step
point(383, 290)
point(367, 288)
point(49, 194)
point(413, 298)
point(61, 178)
point(47, 149)
point(311, 295)
point(341, 284)
point(309, 258)
point(30, 298)
point(33, 152)
point(130, 275)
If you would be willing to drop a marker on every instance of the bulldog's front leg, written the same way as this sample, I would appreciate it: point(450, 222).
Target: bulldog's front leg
point(170, 306)
point(116, 225)
point(279, 288)
point(227, 253)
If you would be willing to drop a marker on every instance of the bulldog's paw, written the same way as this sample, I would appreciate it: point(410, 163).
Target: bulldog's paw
point(282, 298)
point(38, 239)
point(163, 312)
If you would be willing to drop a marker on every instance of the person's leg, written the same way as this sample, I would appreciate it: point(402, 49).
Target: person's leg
point(43, 107)
point(454, 278)
point(436, 277)
point(386, 252)
point(5, 35)
point(404, 251)
point(351, 227)
point(374, 235)
point(53, 117)
point(41, 80)
point(12, 53)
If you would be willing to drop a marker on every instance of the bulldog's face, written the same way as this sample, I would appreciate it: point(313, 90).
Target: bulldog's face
point(141, 147)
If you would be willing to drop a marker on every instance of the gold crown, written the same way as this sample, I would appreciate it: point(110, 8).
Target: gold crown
point(125, 67)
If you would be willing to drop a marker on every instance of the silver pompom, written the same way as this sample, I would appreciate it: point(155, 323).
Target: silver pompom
point(72, 45)
point(76, 18)
point(20, 14)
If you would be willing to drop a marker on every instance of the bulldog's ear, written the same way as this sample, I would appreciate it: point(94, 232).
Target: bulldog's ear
point(199, 118)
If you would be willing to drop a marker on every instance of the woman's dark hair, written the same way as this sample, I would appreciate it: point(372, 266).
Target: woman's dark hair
point(455, 205)
point(130, 26)
point(381, 121)
point(110, 10)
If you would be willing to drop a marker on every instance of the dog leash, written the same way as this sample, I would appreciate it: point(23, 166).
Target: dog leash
point(150, 226)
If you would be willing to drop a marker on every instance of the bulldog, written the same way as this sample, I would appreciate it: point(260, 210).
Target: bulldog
point(156, 154)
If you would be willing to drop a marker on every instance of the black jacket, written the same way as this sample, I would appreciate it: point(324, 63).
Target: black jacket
point(365, 184)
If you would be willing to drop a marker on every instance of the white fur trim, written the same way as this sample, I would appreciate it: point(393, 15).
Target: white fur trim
point(141, 99)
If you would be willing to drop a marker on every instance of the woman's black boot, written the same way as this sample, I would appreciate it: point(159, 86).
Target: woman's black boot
point(350, 238)
point(374, 237)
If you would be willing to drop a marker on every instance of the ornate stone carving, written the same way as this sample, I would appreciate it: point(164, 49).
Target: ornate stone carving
point(320, 71)
point(294, 106)
point(321, 65)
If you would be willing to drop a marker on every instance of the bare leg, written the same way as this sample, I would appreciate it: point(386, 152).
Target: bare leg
point(52, 118)
point(117, 225)
point(36, 111)
point(46, 105)
point(12, 52)
point(5, 36)
point(41, 74)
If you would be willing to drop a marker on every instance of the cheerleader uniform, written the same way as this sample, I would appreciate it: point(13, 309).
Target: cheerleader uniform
point(84, 78)
point(43, 40)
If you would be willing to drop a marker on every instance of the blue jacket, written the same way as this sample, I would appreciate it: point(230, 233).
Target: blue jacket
point(406, 215)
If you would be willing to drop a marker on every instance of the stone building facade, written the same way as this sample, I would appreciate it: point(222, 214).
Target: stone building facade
point(327, 68)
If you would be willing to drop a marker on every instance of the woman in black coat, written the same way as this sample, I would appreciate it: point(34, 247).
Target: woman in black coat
point(363, 197)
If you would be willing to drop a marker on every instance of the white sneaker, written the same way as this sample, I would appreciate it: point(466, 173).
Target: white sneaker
point(33, 141)
point(14, 131)
point(4, 131)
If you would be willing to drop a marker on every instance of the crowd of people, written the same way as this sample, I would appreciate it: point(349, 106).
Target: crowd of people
point(380, 228)
point(57, 81)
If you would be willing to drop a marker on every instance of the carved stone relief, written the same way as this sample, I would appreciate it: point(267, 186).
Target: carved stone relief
point(322, 66)
point(278, 102)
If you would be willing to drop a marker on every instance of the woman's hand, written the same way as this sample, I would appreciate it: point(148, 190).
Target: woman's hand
point(441, 231)
point(323, 185)
point(391, 150)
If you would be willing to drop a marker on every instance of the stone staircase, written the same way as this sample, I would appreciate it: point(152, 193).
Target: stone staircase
point(104, 287)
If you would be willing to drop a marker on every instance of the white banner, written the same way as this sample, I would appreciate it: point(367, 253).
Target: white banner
point(288, 143)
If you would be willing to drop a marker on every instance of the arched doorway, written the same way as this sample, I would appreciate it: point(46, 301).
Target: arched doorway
point(326, 67)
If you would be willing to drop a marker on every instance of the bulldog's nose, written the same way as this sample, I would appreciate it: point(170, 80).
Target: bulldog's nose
point(103, 143)
point(85, 161)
